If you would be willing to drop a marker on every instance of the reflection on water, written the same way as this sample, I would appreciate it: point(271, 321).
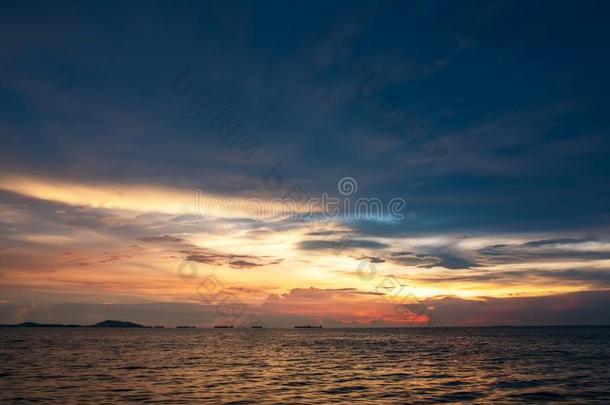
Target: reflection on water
point(306, 366)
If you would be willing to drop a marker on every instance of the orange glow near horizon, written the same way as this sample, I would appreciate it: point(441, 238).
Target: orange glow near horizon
point(98, 264)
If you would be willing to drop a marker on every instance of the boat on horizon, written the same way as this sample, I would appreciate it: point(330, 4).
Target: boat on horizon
point(223, 327)
point(308, 327)
point(185, 327)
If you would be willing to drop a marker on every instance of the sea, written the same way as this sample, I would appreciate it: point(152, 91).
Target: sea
point(306, 366)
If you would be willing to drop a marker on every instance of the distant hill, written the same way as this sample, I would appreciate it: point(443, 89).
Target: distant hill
point(41, 325)
point(104, 324)
point(116, 324)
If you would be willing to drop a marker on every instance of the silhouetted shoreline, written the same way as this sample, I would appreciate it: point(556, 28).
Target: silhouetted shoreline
point(127, 324)
point(104, 324)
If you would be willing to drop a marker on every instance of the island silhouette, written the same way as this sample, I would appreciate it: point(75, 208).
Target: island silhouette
point(103, 324)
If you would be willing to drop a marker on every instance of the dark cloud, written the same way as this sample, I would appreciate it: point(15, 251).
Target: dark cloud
point(236, 261)
point(163, 238)
point(453, 260)
point(372, 259)
point(451, 256)
point(581, 308)
point(340, 244)
point(113, 258)
point(243, 264)
point(411, 259)
point(431, 256)
point(326, 233)
point(213, 258)
point(598, 278)
point(558, 241)
point(244, 290)
point(560, 249)
point(324, 293)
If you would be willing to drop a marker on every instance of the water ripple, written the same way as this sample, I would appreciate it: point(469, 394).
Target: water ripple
point(268, 366)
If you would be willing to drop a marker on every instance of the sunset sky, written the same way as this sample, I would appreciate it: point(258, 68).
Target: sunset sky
point(141, 141)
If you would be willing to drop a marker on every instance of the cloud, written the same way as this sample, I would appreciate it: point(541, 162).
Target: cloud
point(210, 257)
point(453, 260)
point(559, 249)
point(431, 256)
point(340, 244)
point(244, 290)
point(241, 264)
point(596, 278)
point(412, 259)
point(148, 198)
point(318, 293)
point(372, 259)
point(163, 238)
point(580, 308)
point(337, 307)
point(114, 257)
point(326, 233)
point(558, 241)
point(236, 261)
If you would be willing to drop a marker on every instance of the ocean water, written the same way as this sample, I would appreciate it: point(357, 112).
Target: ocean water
point(424, 365)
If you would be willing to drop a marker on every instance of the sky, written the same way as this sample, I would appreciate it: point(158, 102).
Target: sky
point(149, 150)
